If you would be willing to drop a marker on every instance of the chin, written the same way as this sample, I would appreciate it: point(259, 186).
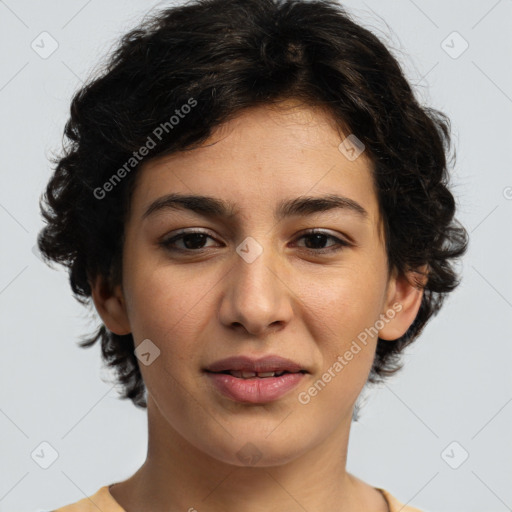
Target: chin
point(256, 451)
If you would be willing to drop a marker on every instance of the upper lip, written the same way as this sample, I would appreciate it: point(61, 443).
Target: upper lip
point(270, 363)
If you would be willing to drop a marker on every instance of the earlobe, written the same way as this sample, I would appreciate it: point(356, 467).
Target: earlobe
point(111, 306)
point(403, 303)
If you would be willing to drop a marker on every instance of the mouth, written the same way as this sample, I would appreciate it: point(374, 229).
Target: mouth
point(249, 380)
point(255, 387)
point(256, 375)
point(249, 367)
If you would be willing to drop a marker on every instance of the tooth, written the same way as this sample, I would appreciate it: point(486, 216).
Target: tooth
point(249, 375)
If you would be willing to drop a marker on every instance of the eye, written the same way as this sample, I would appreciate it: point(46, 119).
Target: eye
point(318, 238)
point(192, 241)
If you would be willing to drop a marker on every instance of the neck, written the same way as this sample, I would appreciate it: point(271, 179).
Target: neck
point(178, 476)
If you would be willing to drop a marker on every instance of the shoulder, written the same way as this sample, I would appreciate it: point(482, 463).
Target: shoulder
point(396, 505)
point(100, 500)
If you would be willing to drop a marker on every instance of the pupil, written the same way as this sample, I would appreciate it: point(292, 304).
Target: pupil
point(317, 238)
point(196, 238)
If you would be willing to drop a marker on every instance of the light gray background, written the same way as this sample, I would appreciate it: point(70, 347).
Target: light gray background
point(457, 382)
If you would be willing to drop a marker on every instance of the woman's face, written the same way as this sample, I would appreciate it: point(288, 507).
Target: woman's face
point(256, 283)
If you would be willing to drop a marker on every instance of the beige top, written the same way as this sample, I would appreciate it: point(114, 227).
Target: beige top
point(102, 500)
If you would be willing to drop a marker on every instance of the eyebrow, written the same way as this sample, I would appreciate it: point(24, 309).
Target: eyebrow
point(207, 206)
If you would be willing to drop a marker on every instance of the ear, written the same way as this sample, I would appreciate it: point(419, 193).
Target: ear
point(403, 300)
point(111, 306)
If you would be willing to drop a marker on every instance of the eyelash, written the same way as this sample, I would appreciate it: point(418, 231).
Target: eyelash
point(340, 244)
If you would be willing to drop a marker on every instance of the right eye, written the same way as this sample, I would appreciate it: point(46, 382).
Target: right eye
point(192, 241)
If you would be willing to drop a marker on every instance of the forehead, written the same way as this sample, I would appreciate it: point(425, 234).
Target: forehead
point(260, 157)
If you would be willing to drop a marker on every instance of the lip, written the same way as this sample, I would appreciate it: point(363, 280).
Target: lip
point(269, 363)
point(255, 390)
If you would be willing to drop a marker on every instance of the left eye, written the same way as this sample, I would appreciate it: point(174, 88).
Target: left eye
point(319, 238)
point(194, 240)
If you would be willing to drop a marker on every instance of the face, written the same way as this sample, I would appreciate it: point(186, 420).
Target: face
point(204, 285)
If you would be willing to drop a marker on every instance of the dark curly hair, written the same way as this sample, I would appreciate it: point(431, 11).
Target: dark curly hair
point(228, 55)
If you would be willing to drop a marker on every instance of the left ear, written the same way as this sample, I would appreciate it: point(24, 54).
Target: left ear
point(404, 300)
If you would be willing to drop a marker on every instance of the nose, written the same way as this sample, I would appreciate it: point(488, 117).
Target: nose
point(257, 296)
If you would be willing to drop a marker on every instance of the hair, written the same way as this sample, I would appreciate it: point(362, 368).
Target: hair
point(223, 56)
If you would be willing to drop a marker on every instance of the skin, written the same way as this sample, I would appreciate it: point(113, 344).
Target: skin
point(198, 307)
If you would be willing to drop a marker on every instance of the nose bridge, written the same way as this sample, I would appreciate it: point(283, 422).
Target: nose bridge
point(256, 296)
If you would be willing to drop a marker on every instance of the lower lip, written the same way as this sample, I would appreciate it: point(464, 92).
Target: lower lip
point(256, 390)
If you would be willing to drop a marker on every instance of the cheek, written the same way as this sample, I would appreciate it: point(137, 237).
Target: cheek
point(169, 307)
point(346, 304)
point(341, 318)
